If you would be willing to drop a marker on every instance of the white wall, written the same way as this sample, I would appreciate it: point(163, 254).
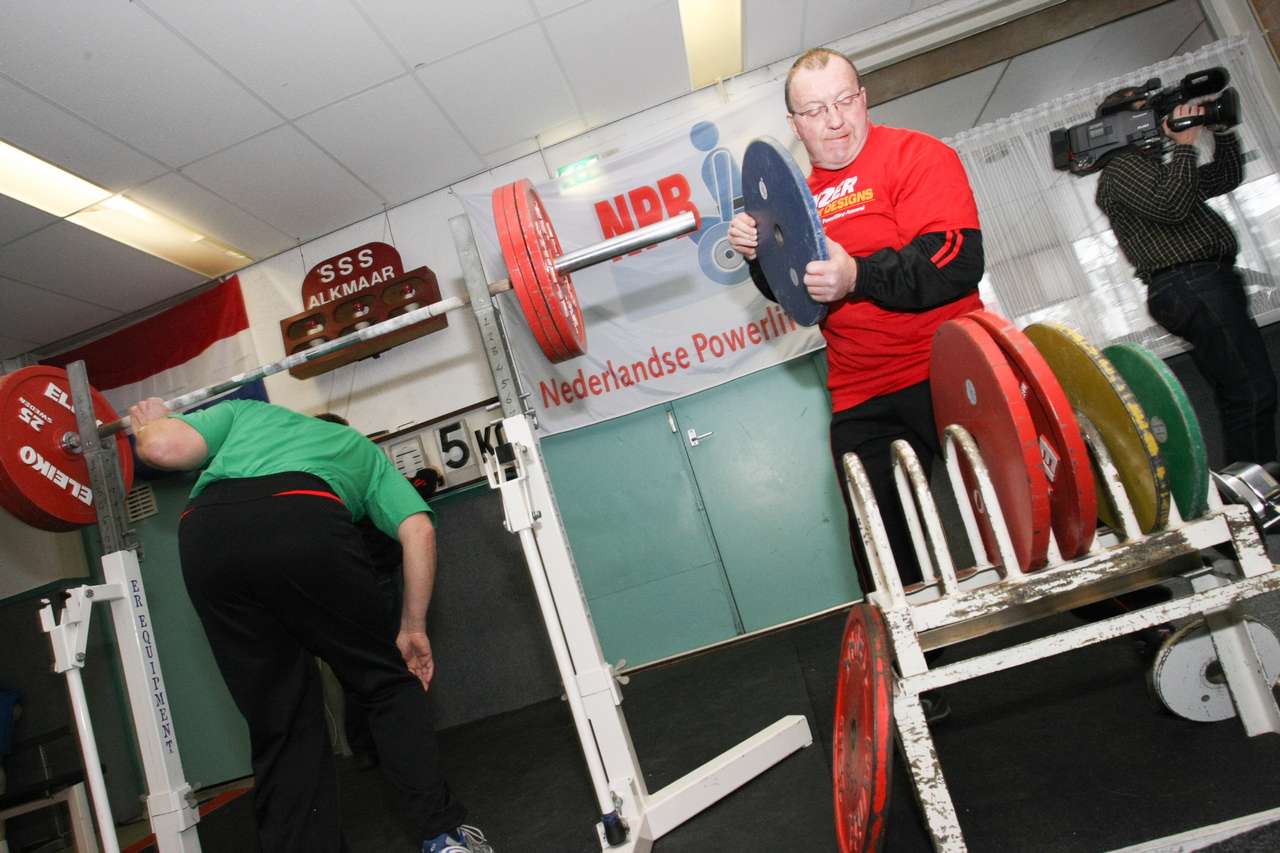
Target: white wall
point(444, 371)
point(31, 558)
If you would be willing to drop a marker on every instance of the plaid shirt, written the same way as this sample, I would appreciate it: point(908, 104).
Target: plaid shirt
point(1158, 211)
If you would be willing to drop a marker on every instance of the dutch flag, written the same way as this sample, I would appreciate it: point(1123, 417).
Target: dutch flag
point(186, 347)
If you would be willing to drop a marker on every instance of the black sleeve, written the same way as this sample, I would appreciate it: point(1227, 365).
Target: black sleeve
point(1225, 172)
point(933, 269)
point(758, 279)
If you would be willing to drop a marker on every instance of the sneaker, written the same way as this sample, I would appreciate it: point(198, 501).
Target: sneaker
point(464, 839)
point(935, 706)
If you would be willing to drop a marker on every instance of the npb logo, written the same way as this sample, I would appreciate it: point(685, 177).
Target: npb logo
point(723, 178)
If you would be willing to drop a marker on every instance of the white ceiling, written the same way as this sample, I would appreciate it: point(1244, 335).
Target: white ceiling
point(269, 124)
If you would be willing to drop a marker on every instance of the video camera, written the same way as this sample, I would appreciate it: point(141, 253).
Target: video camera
point(1131, 118)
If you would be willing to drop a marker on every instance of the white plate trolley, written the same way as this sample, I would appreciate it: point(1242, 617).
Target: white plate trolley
point(950, 606)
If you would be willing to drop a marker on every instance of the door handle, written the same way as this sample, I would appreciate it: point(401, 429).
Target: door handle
point(695, 436)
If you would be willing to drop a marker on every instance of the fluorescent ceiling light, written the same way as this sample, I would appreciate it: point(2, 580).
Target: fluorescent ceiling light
point(128, 222)
point(712, 39)
point(43, 185)
point(46, 187)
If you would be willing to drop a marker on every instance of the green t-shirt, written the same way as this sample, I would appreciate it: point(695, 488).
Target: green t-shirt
point(248, 438)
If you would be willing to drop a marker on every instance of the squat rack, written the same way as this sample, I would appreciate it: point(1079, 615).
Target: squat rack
point(630, 816)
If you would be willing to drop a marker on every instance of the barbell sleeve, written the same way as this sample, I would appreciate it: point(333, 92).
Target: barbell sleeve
point(570, 262)
point(616, 247)
point(377, 330)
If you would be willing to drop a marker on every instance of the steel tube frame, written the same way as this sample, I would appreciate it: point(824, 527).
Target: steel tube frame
point(589, 681)
point(946, 609)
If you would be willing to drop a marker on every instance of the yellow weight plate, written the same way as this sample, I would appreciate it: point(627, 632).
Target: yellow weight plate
point(1096, 388)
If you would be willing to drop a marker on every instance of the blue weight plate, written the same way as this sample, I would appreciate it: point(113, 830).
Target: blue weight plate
point(777, 197)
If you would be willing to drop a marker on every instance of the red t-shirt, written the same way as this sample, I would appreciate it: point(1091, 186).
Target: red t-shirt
point(902, 184)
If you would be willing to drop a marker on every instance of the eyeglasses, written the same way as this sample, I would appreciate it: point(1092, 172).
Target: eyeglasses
point(841, 104)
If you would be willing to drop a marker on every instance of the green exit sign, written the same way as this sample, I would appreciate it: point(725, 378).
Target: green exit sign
point(579, 170)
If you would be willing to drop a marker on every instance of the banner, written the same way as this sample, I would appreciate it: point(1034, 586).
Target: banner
point(672, 319)
point(202, 341)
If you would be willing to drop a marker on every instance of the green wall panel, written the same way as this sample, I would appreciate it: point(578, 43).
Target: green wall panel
point(639, 537)
point(771, 492)
point(212, 736)
point(666, 536)
point(665, 617)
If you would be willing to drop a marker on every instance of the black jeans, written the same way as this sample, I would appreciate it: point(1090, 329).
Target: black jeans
point(276, 580)
point(868, 429)
point(1205, 305)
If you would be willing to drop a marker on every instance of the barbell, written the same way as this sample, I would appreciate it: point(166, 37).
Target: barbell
point(44, 480)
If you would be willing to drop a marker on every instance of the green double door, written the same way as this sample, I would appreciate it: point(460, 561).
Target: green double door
point(709, 517)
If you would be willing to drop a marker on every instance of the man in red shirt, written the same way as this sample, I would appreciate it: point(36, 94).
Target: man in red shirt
point(905, 255)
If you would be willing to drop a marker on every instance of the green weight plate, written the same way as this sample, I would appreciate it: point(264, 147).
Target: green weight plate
point(1173, 422)
point(1096, 388)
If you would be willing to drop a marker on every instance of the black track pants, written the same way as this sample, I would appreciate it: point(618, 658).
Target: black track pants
point(869, 430)
point(275, 580)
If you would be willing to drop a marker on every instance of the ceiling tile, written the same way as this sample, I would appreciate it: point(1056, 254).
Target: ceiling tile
point(1093, 57)
point(425, 32)
point(395, 138)
point(193, 205)
point(825, 22)
point(119, 68)
point(1138, 40)
point(297, 55)
point(14, 347)
point(284, 179)
point(547, 8)
point(1198, 39)
point(503, 91)
point(18, 219)
point(771, 30)
point(485, 182)
point(51, 133)
point(506, 154)
point(943, 109)
point(76, 262)
point(917, 5)
point(621, 56)
point(37, 316)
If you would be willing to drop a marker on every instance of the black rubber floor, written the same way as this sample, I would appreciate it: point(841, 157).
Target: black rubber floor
point(1068, 754)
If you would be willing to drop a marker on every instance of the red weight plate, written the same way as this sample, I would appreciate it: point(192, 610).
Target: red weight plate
point(22, 509)
point(557, 289)
point(1063, 456)
point(11, 498)
point(523, 281)
point(862, 741)
point(42, 483)
point(974, 386)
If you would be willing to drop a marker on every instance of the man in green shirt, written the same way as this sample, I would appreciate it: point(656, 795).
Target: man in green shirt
point(277, 572)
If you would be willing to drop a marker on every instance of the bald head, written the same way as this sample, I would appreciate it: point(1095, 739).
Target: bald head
point(814, 58)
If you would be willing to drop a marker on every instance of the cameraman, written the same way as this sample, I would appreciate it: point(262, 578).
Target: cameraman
point(1185, 253)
